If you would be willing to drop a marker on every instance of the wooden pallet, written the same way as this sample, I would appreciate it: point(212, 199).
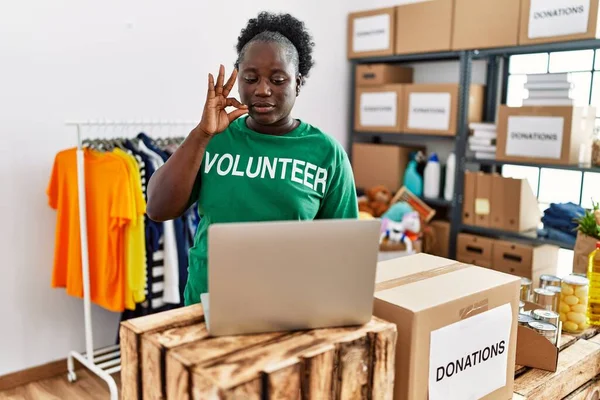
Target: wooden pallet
point(173, 357)
point(576, 378)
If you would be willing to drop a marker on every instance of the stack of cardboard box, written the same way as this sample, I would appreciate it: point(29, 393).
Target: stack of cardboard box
point(387, 101)
point(444, 25)
point(557, 134)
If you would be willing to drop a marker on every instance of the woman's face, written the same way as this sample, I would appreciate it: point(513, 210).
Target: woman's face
point(267, 83)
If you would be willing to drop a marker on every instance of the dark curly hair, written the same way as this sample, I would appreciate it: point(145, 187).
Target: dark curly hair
point(283, 29)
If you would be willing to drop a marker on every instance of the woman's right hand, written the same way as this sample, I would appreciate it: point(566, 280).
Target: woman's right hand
point(214, 117)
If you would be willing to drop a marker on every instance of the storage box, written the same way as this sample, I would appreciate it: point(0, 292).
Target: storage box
point(483, 199)
point(544, 134)
point(381, 74)
point(476, 250)
point(424, 26)
point(446, 312)
point(525, 260)
point(371, 33)
point(379, 164)
point(441, 238)
point(480, 24)
point(544, 21)
point(379, 108)
point(469, 198)
point(432, 108)
point(514, 206)
point(170, 355)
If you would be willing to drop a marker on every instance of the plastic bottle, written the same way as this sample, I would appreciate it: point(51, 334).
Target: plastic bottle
point(593, 273)
point(412, 179)
point(450, 169)
point(432, 177)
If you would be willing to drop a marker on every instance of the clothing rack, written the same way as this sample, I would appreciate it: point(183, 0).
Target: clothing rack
point(104, 361)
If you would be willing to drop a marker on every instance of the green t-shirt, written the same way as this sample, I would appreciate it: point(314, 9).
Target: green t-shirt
point(248, 176)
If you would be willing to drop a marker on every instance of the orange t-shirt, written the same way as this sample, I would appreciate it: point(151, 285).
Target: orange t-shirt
point(110, 207)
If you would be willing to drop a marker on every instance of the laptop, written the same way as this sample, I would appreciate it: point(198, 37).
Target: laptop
point(290, 275)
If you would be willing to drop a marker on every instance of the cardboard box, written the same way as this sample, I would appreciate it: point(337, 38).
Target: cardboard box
point(497, 20)
point(469, 198)
point(525, 260)
point(441, 237)
point(432, 108)
point(379, 164)
point(476, 250)
point(483, 199)
point(371, 33)
point(424, 26)
point(379, 108)
point(497, 220)
point(535, 350)
point(544, 134)
point(544, 21)
point(446, 312)
point(514, 205)
point(381, 74)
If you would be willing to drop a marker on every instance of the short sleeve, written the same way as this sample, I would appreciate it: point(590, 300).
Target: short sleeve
point(340, 200)
point(54, 185)
point(122, 209)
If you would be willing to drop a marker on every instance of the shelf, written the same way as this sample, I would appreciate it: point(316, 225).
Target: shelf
point(538, 48)
point(411, 138)
point(440, 202)
point(524, 164)
point(529, 236)
point(401, 58)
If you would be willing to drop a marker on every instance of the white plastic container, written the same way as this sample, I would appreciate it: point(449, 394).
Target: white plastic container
point(431, 177)
point(450, 170)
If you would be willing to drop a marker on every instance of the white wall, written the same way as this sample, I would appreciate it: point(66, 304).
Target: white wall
point(116, 60)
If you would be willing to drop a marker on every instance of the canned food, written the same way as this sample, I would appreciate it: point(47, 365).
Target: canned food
point(544, 298)
point(556, 291)
point(524, 319)
point(573, 303)
point(525, 289)
point(546, 316)
point(545, 329)
point(549, 280)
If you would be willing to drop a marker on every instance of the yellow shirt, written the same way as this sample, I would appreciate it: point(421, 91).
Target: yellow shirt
point(135, 240)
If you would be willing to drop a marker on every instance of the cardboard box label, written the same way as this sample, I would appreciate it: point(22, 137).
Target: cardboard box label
point(468, 359)
point(535, 136)
point(429, 111)
point(371, 33)
point(378, 109)
point(482, 206)
point(549, 18)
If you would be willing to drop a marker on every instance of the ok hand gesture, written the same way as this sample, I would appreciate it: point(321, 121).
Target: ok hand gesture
point(214, 117)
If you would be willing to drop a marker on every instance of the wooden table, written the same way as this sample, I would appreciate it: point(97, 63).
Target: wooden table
point(170, 355)
point(576, 378)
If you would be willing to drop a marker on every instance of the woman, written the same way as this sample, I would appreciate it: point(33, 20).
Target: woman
point(263, 166)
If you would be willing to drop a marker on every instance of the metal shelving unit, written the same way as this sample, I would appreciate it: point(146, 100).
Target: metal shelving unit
point(436, 202)
point(496, 88)
point(527, 237)
point(497, 163)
